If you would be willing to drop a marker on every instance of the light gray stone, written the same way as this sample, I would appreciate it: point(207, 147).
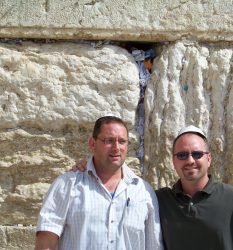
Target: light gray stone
point(56, 86)
point(191, 84)
point(140, 20)
point(50, 96)
point(17, 237)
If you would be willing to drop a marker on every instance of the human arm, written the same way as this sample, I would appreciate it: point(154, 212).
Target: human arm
point(53, 214)
point(80, 166)
point(153, 231)
point(46, 241)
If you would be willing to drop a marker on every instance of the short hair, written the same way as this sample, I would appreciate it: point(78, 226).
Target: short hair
point(106, 120)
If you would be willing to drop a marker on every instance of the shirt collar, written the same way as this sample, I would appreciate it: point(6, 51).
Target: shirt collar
point(91, 167)
point(128, 175)
point(208, 189)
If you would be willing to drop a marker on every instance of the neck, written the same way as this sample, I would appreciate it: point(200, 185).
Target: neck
point(106, 176)
point(191, 187)
point(110, 180)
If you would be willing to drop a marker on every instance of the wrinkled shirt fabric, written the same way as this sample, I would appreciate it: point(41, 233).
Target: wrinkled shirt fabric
point(81, 211)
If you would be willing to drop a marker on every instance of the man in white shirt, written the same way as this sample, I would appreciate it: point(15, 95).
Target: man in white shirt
point(105, 207)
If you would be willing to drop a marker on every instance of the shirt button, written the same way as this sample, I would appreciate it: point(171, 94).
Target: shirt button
point(191, 203)
point(111, 241)
point(112, 221)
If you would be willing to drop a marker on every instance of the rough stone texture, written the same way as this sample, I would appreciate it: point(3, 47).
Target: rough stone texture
point(64, 85)
point(50, 96)
point(191, 84)
point(144, 20)
point(17, 238)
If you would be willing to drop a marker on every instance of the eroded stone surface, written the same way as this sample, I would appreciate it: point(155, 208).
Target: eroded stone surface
point(50, 96)
point(17, 237)
point(191, 84)
point(54, 87)
point(138, 20)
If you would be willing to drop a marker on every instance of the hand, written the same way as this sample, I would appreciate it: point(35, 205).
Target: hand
point(80, 166)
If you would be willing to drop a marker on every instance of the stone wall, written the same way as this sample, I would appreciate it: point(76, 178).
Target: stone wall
point(52, 91)
point(138, 20)
point(191, 84)
point(51, 94)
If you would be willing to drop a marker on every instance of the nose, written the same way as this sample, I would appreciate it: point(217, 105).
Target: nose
point(190, 159)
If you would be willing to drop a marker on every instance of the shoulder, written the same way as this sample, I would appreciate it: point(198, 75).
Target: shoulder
point(63, 187)
point(147, 185)
point(163, 192)
point(136, 182)
point(64, 182)
point(65, 178)
point(143, 184)
point(227, 188)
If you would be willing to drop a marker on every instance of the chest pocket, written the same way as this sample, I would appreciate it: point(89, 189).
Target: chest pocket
point(136, 216)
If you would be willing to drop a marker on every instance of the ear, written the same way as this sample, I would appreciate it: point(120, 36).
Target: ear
point(91, 143)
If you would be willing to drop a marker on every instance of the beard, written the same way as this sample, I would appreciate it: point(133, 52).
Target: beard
point(191, 172)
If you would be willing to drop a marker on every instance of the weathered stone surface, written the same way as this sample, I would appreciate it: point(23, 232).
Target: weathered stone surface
point(54, 87)
point(50, 96)
point(191, 84)
point(118, 20)
point(17, 238)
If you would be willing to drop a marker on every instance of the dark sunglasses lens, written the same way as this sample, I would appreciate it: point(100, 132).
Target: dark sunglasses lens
point(197, 154)
point(182, 155)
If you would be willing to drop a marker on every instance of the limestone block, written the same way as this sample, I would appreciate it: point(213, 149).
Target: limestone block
point(117, 20)
point(17, 237)
point(50, 96)
point(54, 86)
point(191, 84)
point(30, 161)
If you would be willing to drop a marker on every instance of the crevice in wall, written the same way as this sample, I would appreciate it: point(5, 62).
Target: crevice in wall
point(144, 54)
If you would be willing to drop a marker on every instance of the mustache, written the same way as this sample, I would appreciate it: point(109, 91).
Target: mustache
point(188, 165)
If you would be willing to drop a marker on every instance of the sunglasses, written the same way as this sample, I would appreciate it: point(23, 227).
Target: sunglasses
point(195, 154)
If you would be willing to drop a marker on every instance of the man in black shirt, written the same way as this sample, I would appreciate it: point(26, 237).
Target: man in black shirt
point(197, 213)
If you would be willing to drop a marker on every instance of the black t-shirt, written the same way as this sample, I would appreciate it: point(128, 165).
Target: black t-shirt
point(203, 222)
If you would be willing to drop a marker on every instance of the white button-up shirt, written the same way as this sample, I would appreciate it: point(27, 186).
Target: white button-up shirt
point(81, 211)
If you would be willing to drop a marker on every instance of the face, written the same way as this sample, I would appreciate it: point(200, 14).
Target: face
point(109, 155)
point(191, 169)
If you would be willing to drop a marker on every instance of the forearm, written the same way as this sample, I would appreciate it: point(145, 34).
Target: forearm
point(46, 241)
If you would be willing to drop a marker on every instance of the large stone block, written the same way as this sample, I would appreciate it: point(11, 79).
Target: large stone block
point(50, 96)
point(57, 86)
point(191, 84)
point(138, 20)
